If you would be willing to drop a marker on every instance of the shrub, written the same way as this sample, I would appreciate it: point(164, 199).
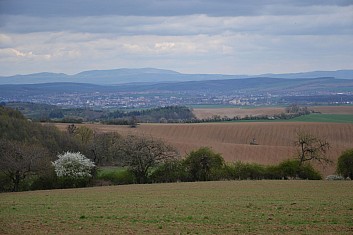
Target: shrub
point(73, 169)
point(345, 164)
point(241, 171)
point(116, 176)
point(73, 165)
point(201, 163)
point(255, 171)
point(219, 173)
point(45, 181)
point(291, 169)
point(307, 171)
point(5, 183)
point(172, 171)
point(273, 172)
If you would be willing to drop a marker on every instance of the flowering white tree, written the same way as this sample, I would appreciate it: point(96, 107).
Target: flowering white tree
point(73, 165)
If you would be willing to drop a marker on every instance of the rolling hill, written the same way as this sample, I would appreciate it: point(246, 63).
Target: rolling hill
point(148, 75)
point(213, 86)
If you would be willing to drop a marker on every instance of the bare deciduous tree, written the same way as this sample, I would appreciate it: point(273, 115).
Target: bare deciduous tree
point(141, 154)
point(84, 134)
point(103, 146)
point(311, 147)
point(71, 129)
point(19, 160)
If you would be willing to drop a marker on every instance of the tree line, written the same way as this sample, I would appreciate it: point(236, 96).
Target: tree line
point(52, 113)
point(156, 115)
point(168, 114)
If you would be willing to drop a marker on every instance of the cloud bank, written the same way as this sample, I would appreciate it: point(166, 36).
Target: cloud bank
point(196, 36)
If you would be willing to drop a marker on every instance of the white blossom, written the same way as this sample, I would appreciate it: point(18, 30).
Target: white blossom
point(73, 165)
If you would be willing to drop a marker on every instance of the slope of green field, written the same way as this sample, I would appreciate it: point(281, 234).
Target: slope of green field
point(230, 207)
point(316, 117)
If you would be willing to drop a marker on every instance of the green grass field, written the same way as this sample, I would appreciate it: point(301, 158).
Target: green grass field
point(229, 207)
point(316, 117)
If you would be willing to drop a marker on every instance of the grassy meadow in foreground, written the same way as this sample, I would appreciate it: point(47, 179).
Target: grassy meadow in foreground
point(229, 207)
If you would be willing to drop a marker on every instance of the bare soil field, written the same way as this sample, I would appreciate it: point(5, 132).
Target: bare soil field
point(204, 113)
point(232, 140)
point(333, 109)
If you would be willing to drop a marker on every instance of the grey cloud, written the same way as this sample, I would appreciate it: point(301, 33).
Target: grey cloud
point(222, 36)
point(222, 54)
point(338, 21)
point(64, 8)
point(177, 17)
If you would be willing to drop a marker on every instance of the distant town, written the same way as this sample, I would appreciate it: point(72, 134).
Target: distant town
point(159, 88)
point(131, 100)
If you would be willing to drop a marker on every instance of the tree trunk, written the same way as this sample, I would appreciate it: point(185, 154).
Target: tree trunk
point(16, 181)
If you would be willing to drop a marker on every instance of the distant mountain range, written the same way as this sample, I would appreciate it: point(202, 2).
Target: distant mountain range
point(226, 86)
point(152, 75)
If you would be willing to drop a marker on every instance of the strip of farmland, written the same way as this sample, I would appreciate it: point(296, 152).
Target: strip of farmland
point(275, 140)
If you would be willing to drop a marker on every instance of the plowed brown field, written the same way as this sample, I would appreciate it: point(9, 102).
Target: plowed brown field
point(333, 109)
point(203, 113)
point(232, 140)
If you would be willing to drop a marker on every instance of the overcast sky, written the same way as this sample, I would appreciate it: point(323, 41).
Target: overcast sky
point(189, 36)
